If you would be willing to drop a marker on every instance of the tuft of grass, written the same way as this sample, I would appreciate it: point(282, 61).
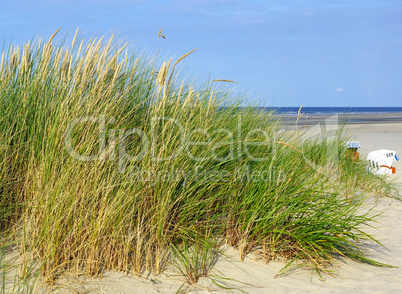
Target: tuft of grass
point(195, 259)
point(110, 164)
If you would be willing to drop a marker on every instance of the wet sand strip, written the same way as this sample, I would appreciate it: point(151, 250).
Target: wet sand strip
point(349, 119)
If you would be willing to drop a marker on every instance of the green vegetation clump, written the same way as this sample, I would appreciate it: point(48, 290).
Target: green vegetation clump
point(109, 162)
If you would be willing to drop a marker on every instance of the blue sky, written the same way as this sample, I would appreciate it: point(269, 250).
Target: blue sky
point(281, 53)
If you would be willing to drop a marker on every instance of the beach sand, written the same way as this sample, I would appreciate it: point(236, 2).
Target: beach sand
point(254, 276)
point(349, 119)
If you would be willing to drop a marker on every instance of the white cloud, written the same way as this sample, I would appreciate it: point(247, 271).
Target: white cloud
point(338, 90)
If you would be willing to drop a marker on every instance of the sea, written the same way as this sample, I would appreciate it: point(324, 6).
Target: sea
point(332, 110)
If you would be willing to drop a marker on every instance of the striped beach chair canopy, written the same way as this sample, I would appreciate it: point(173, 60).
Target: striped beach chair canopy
point(353, 144)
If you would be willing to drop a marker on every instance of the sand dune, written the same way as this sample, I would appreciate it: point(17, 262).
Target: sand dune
point(254, 276)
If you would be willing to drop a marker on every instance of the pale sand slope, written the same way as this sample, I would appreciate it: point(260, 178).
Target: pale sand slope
point(350, 276)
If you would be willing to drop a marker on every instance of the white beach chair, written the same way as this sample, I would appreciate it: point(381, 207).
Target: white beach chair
point(380, 161)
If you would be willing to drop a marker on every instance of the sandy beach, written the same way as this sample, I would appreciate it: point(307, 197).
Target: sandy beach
point(357, 119)
point(254, 276)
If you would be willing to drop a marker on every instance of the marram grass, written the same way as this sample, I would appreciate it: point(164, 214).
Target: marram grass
point(109, 162)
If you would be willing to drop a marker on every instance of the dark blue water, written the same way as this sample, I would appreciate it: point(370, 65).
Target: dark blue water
point(333, 110)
